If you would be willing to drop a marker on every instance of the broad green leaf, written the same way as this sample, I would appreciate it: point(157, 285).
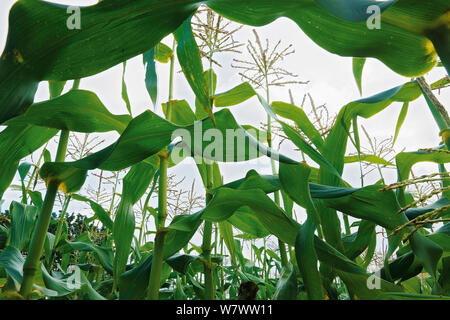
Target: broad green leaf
point(36, 198)
point(336, 142)
point(56, 88)
point(227, 201)
point(3, 237)
point(180, 113)
point(238, 94)
point(271, 183)
point(370, 204)
point(226, 232)
point(246, 91)
point(100, 213)
point(17, 142)
point(444, 279)
point(367, 158)
point(189, 57)
point(123, 229)
point(109, 34)
point(135, 183)
point(287, 287)
point(353, 10)
point(70, 285)
point(294, 180)
point(22, 222)
point(403, 268)
point(181, 230)
point(300, 118)
point(307, 260)
point(427, 251)
point(148, 134)
point(151, 77)
point(406, 160)
point(163, 53)
point(180, 262)
point(77, 110)
point(12, 260)
point(356, 243)
point(84, 243)
point(415, 212)
point(244, 219)
point(133, 283)
point(357, 284)
point(402, 43)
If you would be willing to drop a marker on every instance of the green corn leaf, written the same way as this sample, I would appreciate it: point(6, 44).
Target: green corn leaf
point(23, 170)
point(371, 158)
point(403, 268)
point(244, 219)
point(100, 213)
point(124, 25)
point(70, 285)
point(17, 142)
point(56, 88)
point(189, 57)
point(123, 229)
point(427, 251)
point(77, 110)
point(353, 10)
point(146, 135)
point(370, 204)
point(300, 118)
point(135, 183)
point(180, 114)
point(294, 180)
point(151, 77)
point(400, 121)
point(356, 243)
point(358, 66)
point(227, 201)
point(163, 53)
point(22, 222)
point(226, 232)
point(406, 160)
point(84, 243)
point(237, 95)
point(287, 287)
point(415, 212)
point(125, 90)
point(180, 262)
point(307, 260)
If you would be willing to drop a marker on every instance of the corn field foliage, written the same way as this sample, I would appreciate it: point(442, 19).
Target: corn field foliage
point(137, 242)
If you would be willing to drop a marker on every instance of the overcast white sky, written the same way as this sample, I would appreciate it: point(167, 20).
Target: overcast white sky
point(331, 82)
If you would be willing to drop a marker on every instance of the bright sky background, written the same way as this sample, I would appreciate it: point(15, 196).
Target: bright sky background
point(330, 81)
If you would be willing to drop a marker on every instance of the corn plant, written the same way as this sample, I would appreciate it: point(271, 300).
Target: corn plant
point(139, 239)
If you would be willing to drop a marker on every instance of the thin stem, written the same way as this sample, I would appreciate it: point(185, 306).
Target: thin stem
point(37, 244)
point(206, 244)
point(171, 73)
point(59, 229)
point(157, 261)
point(31, 264)
point(437, 109)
